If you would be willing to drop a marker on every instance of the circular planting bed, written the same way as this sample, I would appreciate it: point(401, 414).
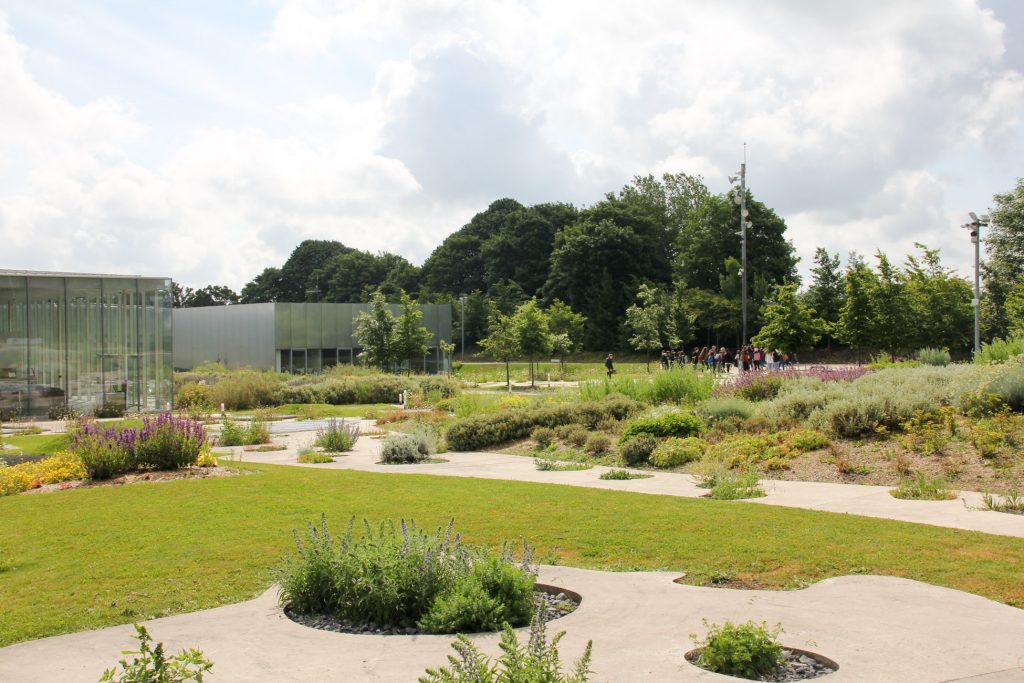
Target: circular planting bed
point(551, 602)
point(797, 665)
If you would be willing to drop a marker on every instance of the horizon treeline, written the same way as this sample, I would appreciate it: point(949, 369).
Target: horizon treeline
point(671, 234)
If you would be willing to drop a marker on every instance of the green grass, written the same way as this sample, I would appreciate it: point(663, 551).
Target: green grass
point(37, 444)
point(87, 558)
point(495, 372)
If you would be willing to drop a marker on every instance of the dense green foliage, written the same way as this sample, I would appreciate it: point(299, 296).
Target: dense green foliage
point(481, 431)
point(151, 665)
point(676, 423)
point(745, 650)
point(402, 576)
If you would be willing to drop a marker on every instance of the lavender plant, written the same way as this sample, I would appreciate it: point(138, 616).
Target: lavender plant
point(402, 576)
point(163, 442)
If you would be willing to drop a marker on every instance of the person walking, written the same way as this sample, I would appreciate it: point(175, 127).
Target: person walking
point(609, 364)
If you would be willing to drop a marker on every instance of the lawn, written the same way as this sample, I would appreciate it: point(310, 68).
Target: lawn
point(88, 558)
point(36, 444)
point(495, 372)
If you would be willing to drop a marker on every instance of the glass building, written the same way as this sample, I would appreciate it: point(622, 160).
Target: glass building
point(83, 341)
point(299, 338)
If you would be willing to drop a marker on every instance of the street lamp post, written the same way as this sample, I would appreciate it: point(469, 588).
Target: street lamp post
point(975, 225)
point(462, 326)
point(740, 197)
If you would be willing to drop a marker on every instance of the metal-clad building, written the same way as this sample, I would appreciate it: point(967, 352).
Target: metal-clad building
point(80, 341)
point(300, 338)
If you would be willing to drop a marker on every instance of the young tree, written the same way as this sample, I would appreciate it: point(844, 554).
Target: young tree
point(825, 295)
point(377, 333)
point(530, 326)
point(411, 338)
point(855, 326)
point(644, 320)
point(447, 349)
point(790, 325)
point(502, 341)
point(889, 303)
point(567, 329)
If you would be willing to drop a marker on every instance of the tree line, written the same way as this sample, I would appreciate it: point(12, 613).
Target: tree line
point(666, 242)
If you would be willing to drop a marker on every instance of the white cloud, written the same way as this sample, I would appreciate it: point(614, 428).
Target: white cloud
point(409, 116)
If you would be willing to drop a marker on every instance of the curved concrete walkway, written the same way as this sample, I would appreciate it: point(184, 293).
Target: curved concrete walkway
point(876, 628)
point(871, 501)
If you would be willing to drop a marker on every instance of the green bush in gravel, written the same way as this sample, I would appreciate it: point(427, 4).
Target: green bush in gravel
point(745, 650)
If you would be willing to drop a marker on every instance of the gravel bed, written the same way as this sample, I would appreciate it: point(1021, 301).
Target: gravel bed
point(555, 606)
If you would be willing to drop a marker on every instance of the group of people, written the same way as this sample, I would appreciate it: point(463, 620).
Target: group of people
point(722, 358)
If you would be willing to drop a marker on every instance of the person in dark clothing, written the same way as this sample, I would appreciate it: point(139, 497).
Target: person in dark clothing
point(609, 363)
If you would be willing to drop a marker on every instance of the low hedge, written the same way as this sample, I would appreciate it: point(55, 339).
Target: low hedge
point(481, 431)
point(671, 424)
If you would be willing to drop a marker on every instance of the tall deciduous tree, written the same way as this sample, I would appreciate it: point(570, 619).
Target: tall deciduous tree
point(644, 320)
point(890, 306)
point(264, 288)
point(297, 273)
point(411, 337)
point(790, 324)
point(210, 295)
point(855, 326)
point(939, 303)
point(377, 334)
point(1004, 258)
point(825, 294)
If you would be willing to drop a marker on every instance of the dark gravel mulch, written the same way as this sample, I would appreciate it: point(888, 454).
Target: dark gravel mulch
point(555, 606)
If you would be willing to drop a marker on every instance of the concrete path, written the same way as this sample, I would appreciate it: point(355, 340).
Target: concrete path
point(872, 501)
point(876, 629)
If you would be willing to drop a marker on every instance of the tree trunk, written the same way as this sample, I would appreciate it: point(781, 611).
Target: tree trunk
point(508, 377)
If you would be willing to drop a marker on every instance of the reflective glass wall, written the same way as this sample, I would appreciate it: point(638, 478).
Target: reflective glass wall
point(82, 343)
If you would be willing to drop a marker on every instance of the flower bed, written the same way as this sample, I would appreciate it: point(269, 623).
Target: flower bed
point(163, 442)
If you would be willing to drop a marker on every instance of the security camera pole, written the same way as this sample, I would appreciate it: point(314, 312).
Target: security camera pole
point(975, 226)
point(740, 197)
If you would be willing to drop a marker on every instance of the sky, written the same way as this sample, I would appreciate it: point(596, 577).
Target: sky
point(204, 140)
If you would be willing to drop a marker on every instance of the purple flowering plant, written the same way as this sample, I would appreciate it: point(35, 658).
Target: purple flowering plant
point(162, 442)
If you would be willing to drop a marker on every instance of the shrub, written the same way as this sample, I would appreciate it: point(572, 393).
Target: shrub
point(921, 488)
point(309, 456)
point(794, 406)
point(64, 466)
point(400, 448)
point(756, 387)
point(671, 424)
point(234, 434)
point(337, 436)
point(109, 410)
point(746, 650)
point(864, 414)
point(536, 661)
point(151, 665)
point(598, 443)
point(1000, 350)
point(544, 436)
point(612, 475)
point(403, 577)
point(104, 452)
point(574, 435)
point(1009, 387)
point(733, 485)
point(637, 450)
point(979, 404)
point(206, 458)
point(722, 408)
point(194, 396)
point(936, 357)
point(674, 451)
point(481, 431)
point(244, 389)
point(807, 439)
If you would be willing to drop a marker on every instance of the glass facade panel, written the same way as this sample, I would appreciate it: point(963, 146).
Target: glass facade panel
point(82, 342)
